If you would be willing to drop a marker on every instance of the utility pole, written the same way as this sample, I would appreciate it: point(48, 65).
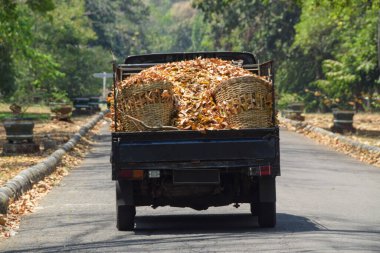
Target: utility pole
point(104, 76)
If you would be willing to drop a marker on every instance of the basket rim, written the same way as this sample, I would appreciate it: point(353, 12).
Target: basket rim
point(238, 79)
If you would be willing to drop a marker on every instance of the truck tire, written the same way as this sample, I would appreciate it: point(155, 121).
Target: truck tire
point(254, 209)
point(125, 217)
point(267, 214)
point(125, 214)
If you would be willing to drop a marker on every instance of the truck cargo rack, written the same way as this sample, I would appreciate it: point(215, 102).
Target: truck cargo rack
point(125, 70)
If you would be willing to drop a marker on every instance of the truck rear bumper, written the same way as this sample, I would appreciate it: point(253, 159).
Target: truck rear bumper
point(231, 189)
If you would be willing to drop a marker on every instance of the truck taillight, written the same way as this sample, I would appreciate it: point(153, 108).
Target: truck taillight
point(265, 170)
point(131, 174)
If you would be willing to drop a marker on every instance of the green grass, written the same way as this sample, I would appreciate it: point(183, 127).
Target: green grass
point(35, 116)
point(31, 109)
point(36, 112)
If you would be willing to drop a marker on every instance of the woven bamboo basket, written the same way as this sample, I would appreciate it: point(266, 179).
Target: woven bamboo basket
point(246, 101)
point(150, 103)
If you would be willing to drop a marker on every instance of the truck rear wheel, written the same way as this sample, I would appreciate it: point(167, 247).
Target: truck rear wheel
point(125, 217)
point(254, 209)
point(267, 214)
point(125, 214)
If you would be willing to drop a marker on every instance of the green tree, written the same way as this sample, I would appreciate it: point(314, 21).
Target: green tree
point(67, 36)
point(200, 35)
point(7, 72)
point(341, 36)
point(265, 28)
point(118, 25)
point(176, 26)
point(16, 38)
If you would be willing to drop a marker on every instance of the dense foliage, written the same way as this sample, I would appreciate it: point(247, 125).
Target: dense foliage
point(325, 52)
point(51, 48)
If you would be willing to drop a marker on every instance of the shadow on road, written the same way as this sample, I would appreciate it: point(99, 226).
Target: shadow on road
point(106, 137)
point(219, 223)
point(174, 230)
point(101, 147)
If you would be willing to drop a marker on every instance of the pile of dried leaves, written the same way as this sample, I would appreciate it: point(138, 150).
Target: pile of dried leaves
point(193, 83)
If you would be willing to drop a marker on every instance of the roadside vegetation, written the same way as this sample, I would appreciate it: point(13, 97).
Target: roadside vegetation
point(325, 52)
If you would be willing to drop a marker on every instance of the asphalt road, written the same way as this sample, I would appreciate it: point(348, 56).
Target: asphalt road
point(327, 202)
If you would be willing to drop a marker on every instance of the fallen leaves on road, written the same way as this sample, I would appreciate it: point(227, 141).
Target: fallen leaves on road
point(59, 131)
point(366, 124)
point(26, 204)
point(10, 166)
point(366, 156)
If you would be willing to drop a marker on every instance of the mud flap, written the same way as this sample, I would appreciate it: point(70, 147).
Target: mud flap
point(267, 189)
point(124, 193)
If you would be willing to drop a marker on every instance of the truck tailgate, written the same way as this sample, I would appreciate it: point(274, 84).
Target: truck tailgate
point(196, 150)
point(189, 149)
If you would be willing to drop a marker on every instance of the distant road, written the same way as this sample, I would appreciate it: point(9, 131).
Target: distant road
point(327, 202)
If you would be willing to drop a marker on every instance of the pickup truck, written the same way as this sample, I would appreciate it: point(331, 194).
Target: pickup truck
point(196, 169)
